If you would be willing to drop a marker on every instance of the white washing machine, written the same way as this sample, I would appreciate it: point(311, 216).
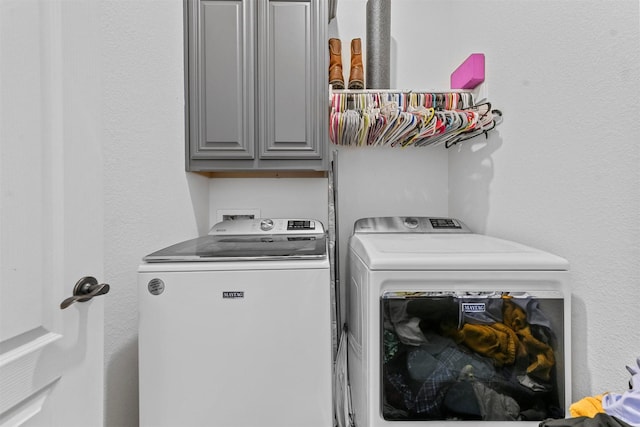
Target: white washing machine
point(451, 328)
point(235, 328)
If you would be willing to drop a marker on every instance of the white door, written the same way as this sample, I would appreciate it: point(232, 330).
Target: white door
point(51, 360)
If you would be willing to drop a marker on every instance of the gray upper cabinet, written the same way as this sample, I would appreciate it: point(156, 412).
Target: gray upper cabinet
point(256, 85)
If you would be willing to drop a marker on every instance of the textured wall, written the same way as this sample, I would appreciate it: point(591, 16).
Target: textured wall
point(273, 197)
point(150, 202)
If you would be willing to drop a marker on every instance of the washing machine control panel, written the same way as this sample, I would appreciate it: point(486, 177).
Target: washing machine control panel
point(301, 224)
point(270, 226)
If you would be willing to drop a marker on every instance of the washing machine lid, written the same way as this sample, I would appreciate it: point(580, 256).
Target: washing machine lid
point(250, 240)
point(418, 247)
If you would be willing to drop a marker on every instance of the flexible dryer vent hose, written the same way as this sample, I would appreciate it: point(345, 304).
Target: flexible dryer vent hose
point(378, 44)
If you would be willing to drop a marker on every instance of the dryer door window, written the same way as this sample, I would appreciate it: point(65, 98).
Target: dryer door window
point(471, 356)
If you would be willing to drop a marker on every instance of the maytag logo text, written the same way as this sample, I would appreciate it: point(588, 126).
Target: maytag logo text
point(473, 307)
point(232, 294)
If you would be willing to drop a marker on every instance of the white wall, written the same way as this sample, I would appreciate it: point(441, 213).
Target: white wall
point(545, 178)
point(272, 197)
point(150, 202)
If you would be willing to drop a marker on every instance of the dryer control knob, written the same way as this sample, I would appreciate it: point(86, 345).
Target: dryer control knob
point(410, 222)
point(266, 224)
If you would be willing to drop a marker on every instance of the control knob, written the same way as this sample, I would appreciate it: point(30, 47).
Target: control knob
point(266, 224)
point(411, 222)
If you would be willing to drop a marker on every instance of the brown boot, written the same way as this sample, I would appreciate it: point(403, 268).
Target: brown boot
point(336, 79)
point(356, 76)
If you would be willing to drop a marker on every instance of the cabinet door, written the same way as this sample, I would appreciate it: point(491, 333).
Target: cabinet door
point(221, 79)
point(291, 66)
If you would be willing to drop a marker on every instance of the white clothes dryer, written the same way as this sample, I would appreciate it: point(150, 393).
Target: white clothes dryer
point(235, 328)
point(447, 327)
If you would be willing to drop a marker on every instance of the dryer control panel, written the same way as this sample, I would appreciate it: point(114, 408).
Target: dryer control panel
point(410, 224)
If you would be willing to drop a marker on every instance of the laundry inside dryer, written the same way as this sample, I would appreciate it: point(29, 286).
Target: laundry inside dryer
point(489, 356)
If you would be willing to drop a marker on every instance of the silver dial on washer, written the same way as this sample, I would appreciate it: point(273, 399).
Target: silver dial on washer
point(266, 224)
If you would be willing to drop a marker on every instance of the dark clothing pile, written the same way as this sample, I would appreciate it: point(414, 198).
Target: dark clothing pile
point(443, 360)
